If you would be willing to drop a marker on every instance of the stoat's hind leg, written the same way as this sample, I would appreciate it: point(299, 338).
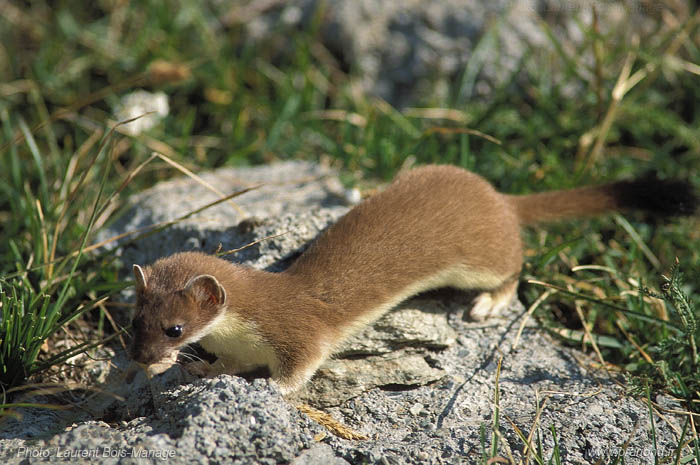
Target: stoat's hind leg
point(491, 303)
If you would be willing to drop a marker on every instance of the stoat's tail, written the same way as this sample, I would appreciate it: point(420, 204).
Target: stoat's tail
point(657, 197)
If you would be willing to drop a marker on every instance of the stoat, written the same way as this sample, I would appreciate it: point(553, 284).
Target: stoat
point(434, 226)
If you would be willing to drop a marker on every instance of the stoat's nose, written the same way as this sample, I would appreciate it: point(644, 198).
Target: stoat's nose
point(151, 360)
point(143, 354)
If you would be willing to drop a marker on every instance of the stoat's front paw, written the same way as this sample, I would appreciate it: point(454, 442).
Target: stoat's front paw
point(200, 368)
point(287, 386)
point(291, 382)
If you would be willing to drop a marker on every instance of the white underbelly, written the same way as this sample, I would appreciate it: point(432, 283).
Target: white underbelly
point(459, 276)
point(239, 345)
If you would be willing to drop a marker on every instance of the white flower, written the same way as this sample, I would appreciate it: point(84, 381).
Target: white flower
point(139, 103)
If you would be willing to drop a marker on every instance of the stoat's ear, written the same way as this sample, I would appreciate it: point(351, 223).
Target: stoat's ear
point(206, 290)
point(140, 278)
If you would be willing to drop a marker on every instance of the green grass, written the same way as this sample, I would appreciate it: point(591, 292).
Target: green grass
point(47, 281)
point(64, 66)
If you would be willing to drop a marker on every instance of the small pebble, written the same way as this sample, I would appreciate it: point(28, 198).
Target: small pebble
point(416, 409)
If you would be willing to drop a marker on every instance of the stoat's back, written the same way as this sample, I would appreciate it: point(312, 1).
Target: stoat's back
point(427, 221)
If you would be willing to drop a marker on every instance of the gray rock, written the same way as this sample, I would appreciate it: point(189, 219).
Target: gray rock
point(220, 420)
point(321, 454)
point(411, 52)
point(419, 384)
point(305, 188)
point(342, 379)
point(425, 326)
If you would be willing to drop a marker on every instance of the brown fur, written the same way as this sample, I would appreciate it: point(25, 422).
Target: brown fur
point(434, 226)
point(428, 219)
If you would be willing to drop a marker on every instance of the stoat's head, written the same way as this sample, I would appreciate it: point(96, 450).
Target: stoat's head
point(167, 319)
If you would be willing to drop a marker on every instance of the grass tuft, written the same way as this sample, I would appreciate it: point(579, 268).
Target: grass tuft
point(673, 363)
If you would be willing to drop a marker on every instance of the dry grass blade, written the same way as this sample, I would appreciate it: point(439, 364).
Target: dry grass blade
point(626, 82)
point(331, 424)
point(54, 388)
point(70, 172)
point(132, 174)
point(604, 303)
point(529, 313)
point(164, 224)
point(232, 251)
point(498, 459)
point(631, 340)
point(20, 86)
point(607, 269)
point(88, 168)
point(438, 113)
point(587, 330)
point(113, 323)
point(676, 411)
point(241, 14)
point(538, 414)
point(679, 63)
point(519, 432)
point(71, 197)
point(620, 89)
point(472, 132)
point(44, 236)
point(46, 389)
point(76, 158)
point(337, 115)
point(199, 180)
point(74, 350)
point(5, 409)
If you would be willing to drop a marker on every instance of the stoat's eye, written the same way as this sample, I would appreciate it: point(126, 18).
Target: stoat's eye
point(174, 331)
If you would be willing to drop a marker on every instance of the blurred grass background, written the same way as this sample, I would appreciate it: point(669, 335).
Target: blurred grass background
point(64, 66)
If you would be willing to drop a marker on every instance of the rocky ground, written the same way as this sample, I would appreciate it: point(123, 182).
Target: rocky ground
point(419, 386)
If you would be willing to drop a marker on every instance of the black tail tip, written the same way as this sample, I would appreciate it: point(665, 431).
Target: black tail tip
point(660, 197)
